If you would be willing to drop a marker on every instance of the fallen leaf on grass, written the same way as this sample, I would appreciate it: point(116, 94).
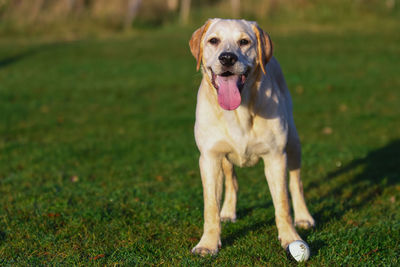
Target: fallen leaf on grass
point(193, 239)
point(343, 107)
point(44, 253)
point(44, 109)
point(60, 119)
point(354, 223)
point(97, 257)
point(370, 252)
point(53, 215)
point(299, 89)
point(327, 130)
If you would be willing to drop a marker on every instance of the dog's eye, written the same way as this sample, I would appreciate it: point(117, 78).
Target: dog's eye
point(214, 41)
point(243, 42)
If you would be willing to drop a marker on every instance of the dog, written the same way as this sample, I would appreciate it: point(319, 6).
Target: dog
point(244, 113)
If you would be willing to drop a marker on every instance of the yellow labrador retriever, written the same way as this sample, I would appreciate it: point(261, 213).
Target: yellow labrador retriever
point(244, 113)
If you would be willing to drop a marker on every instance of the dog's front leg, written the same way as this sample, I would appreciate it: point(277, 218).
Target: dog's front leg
point(275, 171)
point(211, 177)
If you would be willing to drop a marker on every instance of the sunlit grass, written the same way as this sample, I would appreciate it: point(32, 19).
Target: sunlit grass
point(98, 162)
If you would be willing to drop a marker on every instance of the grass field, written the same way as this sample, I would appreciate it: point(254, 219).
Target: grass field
point(98, 163)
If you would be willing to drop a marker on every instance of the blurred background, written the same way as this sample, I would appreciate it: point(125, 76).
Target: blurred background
point(98, 163)
point(77, 18)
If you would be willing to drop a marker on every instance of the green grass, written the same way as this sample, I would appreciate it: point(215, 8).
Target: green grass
point(98, 163)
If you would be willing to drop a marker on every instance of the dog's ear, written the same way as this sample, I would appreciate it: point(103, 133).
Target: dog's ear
point(195, 43)
point(264, 47)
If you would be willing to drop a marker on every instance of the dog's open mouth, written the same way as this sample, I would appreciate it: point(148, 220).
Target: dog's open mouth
point(229, 87)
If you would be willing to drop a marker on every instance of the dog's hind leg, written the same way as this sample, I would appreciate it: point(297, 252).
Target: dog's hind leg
point(302, 216)
point(228, 212)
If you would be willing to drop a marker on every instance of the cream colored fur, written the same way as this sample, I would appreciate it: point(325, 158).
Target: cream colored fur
point(262, 127)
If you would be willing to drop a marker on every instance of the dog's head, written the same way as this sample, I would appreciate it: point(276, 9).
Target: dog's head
point(229, 51)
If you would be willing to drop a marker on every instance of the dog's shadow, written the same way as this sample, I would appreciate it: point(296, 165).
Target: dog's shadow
point(375, 172)
point(380, 169)
point(241, 232)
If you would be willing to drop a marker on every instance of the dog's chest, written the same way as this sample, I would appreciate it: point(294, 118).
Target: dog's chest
point(246, 155)
point(248, 144)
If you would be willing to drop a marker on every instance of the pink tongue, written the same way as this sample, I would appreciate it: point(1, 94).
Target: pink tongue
point(228, 93)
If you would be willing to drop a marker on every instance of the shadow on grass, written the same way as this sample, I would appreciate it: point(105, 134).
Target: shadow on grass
point(5, 62)
point(379, 169)
point(2, 236)
point(236, 235)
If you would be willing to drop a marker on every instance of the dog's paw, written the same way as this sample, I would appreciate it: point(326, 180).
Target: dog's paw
point(231, 219)
point(305, 223)
point(203, 251)
point(284, 243)
point(204, 248)
point(228, 214)
point(287, 236)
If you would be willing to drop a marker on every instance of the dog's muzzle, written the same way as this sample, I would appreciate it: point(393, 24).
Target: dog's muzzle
point(227, 59)
point(229, 87)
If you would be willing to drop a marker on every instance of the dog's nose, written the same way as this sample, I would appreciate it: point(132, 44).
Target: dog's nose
point(228, 59)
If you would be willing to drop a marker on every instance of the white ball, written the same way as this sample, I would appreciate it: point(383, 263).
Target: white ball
point(299, 250)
